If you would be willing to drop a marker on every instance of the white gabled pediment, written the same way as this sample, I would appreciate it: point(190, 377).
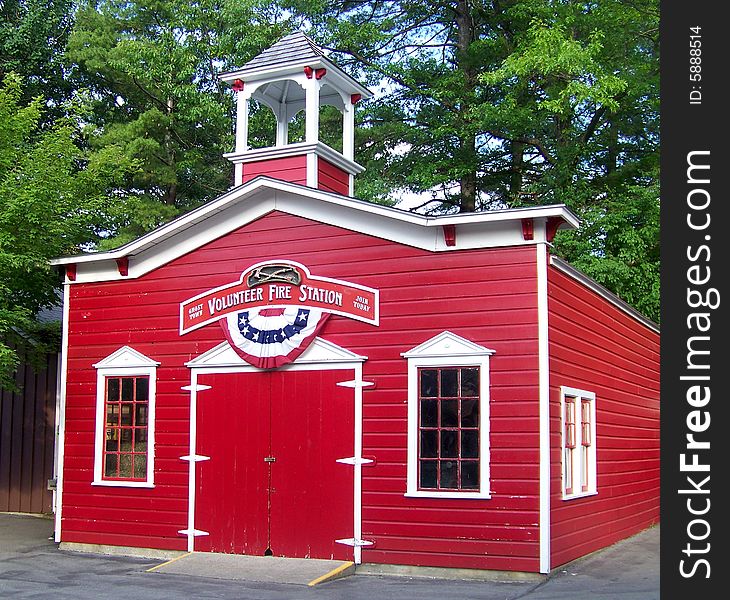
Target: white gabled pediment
point(126, 357)
point(447, 344)
point(262, 195)
point(319, 351)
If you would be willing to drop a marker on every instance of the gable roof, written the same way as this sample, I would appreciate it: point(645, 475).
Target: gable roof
point(258, 197)
point(289, 55)
point(252, 200)
point(294, 47)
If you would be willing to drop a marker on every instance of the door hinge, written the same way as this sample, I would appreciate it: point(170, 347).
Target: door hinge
point(353, 460)
point(355, 543)
point(354, 383)
point(198, 387)
point(195, 458)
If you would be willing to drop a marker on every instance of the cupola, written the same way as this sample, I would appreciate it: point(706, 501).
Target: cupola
point(291, 77)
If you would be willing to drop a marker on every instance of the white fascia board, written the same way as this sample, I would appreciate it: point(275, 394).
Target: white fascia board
point(298, 149)
point(262, 195)
point(154, 237)
point(202, 213)
point(606, 294)
point(510, 214)
point(174, 246)
point(271, 71)
point(280, 70)
point(343, 80)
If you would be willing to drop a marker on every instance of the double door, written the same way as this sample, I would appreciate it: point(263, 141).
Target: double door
point(272, 485)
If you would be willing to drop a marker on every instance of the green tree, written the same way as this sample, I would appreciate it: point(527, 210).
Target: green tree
point(150, 68)
point(53, 201)
point(484, 104)
point(33, 35)
point(506, 103)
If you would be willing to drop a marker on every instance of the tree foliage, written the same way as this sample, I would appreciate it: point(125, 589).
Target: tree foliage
point(33, 35)
point(54, 200)
point(150, 68)
point(505, 103)
point(120, 121)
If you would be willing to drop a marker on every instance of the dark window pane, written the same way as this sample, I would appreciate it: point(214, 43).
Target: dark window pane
point(140, 437)
point(429, 443)
point(126, 414)
point(112, 414)
point(140, 414)
point(110, 465)
point(429, 383)
point(143, 388)
point(470, 382)
point(470, 444)
point(112, 444)
point(449, 444)
point(127, 389)
point(470, 413)
point(429, 413)
point(429, 474)
point(112, 390)
point(449, 413)
point(125, 440)
point(470, 475)
point(449, 383)
point(448, 474)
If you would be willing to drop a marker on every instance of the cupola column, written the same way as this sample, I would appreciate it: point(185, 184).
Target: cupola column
point(348, 130)
point(282, 125)
point(242, 109)
point(312, 110)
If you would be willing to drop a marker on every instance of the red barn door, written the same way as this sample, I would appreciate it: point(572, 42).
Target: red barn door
point(272, 484)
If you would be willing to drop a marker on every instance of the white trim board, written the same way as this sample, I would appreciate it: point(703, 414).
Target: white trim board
point(448, 349)
point(320, 355)
point(124, 362)
point(263, 195)
point(61, 436)
point(606, 294)
point(541, 260)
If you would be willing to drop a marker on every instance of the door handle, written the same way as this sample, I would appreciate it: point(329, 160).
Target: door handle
point(269, 459)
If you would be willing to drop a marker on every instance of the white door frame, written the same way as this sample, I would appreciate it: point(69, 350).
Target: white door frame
point(319, 356)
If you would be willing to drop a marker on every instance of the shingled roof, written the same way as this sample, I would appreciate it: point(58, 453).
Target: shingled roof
point(294, 47)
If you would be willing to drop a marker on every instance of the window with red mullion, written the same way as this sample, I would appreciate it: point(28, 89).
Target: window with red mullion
point(569, 443)
point(585, 424)
point(448, 428)
point(126, 406)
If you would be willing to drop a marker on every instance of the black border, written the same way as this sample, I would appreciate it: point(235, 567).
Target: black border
point(687, 127)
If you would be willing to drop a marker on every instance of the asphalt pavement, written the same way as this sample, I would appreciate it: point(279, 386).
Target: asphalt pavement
point(32, 566)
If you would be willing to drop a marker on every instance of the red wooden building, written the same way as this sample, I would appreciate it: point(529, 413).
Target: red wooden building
point(288, 370)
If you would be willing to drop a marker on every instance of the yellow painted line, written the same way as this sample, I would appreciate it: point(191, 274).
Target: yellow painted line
point(334, 572)
point(167, 562)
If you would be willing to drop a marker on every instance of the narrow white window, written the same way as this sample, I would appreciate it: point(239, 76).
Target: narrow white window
point(125, 419)
point(578, 409)
point(448, 418)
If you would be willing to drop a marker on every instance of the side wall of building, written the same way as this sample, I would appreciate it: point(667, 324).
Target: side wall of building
point(597, 347)
point(27, 437)
point(487, 296)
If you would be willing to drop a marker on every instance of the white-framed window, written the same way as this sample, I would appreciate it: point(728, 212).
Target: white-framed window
point(578, 422)
point(126, 383)
point(448, 418)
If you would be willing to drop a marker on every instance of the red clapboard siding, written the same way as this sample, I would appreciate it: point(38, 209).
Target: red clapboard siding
point(487, 296)
point(623, 371)
point(332, 178)
point(292, 169)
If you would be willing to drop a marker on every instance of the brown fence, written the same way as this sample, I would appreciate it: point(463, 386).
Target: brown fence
point(27, 433)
